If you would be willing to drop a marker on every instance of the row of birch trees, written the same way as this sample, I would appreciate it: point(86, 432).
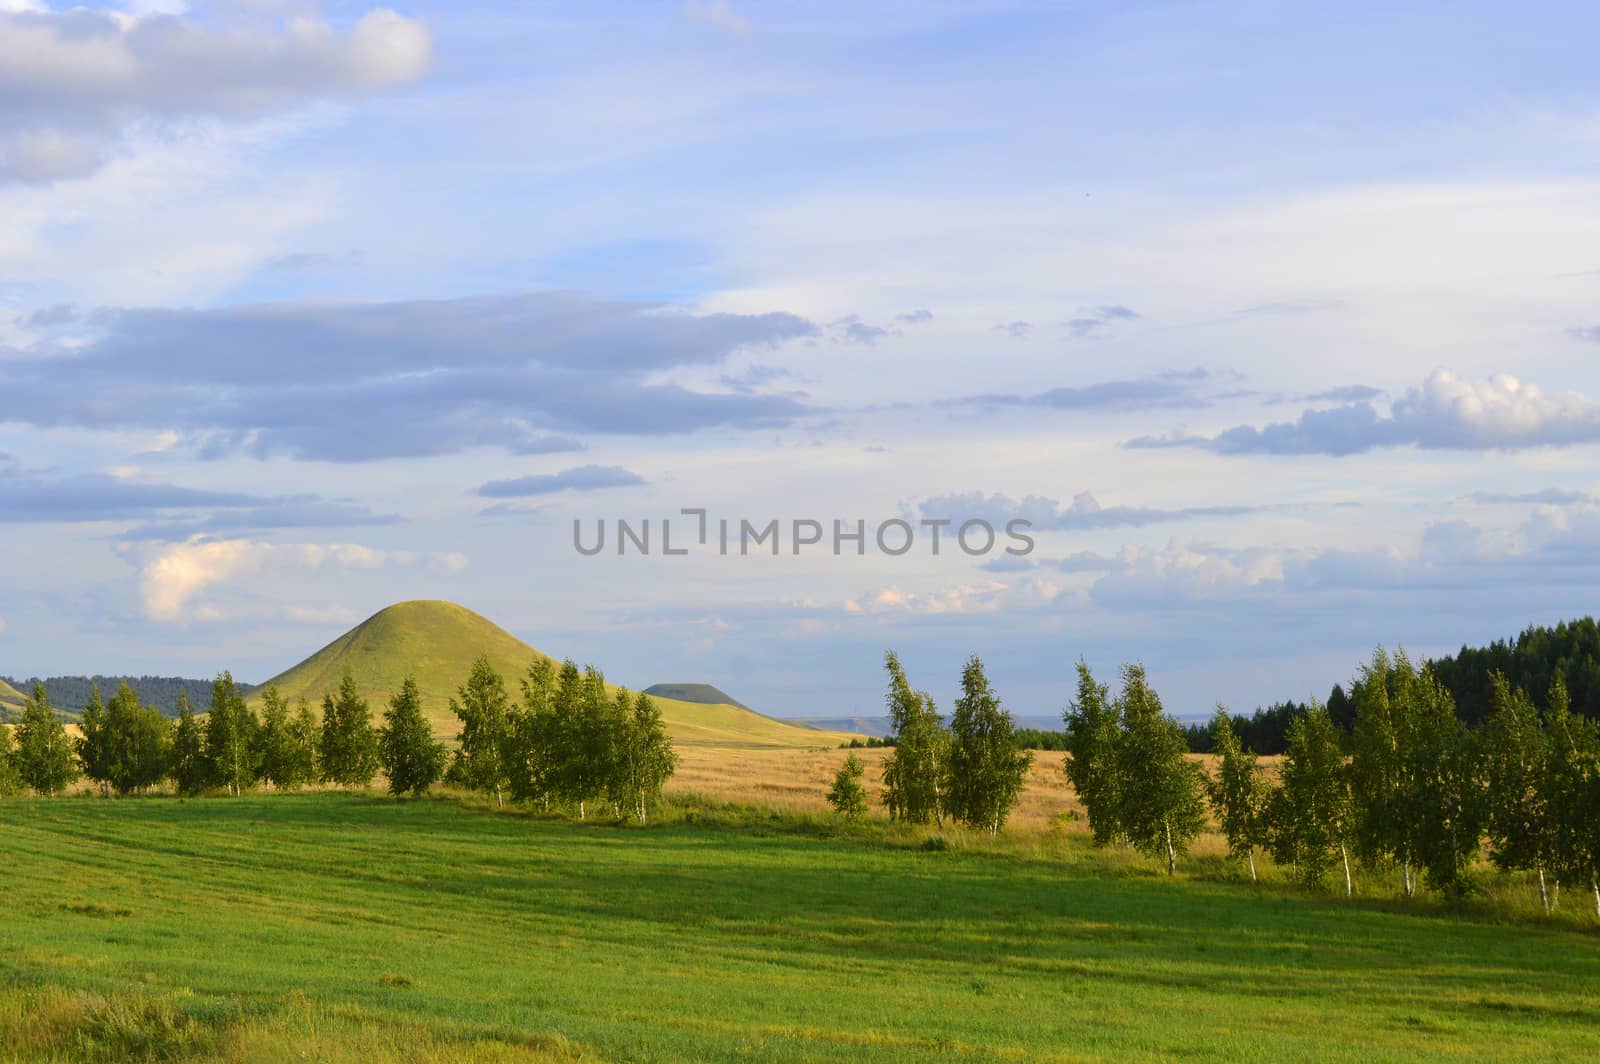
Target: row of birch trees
point(1412, 791)
point(971, 772)
point(571, 742)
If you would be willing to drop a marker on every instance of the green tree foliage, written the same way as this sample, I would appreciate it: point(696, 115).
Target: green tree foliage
point(1447, 811)
point(288, 744)
point(1238, 793)
point(45, 757)
point(159, 691)
point(91, 743)
point(484, 709)
point(231, 743)
point(1532, 661)
point(1160, 807)
point(847, 795)
point(644, 758)
point(10, 780)
point(984, 768)
point(412, 759)
point(1383, 784)
point(1573, 788)
point(1516, 752)
point(1312, 818)
point(349, 747)
point(136, 743)
point(531, 742)
point(912, 774)
point(191, 772)
point(1094, 733)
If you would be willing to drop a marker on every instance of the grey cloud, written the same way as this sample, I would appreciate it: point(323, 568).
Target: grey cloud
point(1049, 515)
point(1547, 496)
point(1590, 335)
point(1349, 393)
point(1168, 389)
point(914, 317)
point(1445, 413)
point(1016, 329)
point(1092, 322)
point(72, 81)
point(294, 511)
point(355, 382)
point(93, 497)
point(852, 330)
point(581, 478)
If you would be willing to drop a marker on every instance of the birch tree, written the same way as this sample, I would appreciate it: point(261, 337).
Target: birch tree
point(349, 747)
point(912, 771)
point(483, 707)
point(984, 768)
point(44, 757)
point(231, 743)
point(1312, 818)
point(1516, 752)
point(1094, 731)
point(191, 772)
point(847, 796)
point(412, 759)
point(1161, 808)
point(1238, 793)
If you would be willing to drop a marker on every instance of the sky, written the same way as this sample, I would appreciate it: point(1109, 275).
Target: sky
point(1279, 325)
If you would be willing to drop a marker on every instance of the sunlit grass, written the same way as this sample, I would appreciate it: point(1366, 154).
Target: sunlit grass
point(360, 928)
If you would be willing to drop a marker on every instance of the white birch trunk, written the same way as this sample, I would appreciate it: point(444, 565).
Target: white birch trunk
point(1348, 890)
point(1251, 857)
point(1544, 892)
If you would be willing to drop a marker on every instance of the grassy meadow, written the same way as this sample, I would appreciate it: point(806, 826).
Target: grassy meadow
point(328, 926)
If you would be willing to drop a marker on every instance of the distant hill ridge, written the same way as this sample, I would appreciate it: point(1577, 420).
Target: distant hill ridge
point(698, 693)
point(69, 694)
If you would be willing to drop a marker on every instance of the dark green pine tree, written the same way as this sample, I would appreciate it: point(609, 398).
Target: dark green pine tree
point(412, 759)
point(1160, 808)
point(484, 709)
point(1094, 733)
point(349, 749)
point(191, 770)
point(984, 767)
point(913, 771)
point(45, 758)
point(1238, 793)
point(231, 743)
point(847, 795)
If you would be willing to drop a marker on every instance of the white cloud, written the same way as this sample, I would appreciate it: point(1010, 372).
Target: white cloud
point(72, 82)
point(3, 625)
point(1445, 413)
point(175, 579)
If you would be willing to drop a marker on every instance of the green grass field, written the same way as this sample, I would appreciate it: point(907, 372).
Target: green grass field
point(327, 926)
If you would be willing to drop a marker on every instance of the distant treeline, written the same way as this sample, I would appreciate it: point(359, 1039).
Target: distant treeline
point(159, 692)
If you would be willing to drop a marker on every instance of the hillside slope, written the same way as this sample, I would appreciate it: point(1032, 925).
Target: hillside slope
point(436, 642)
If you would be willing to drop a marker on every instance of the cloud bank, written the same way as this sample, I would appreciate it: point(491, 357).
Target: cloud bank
point(72, 81)
point(1445, 413)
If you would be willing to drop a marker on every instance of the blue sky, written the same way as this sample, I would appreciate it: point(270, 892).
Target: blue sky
point(1279, 323)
